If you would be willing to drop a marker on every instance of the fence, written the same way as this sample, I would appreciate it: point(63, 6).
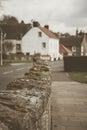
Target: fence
point(75, 63)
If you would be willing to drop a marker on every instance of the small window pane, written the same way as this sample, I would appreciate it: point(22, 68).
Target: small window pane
point(40, 34)
point(73, 48)
point(44, 45)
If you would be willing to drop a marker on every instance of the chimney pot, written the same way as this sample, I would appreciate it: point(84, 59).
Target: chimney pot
point(46, 26)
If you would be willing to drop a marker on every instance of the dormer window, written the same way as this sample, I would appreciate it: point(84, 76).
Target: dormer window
point(40, 34)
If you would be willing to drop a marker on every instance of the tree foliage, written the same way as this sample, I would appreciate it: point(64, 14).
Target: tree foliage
point(7, 46)
point(7, 19)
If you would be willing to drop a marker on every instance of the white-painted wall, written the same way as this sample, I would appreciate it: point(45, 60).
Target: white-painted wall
point(32, 43)
point(54, 48)
point(84, 46)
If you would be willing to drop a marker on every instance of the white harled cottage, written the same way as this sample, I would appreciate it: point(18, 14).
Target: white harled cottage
point(41, 40)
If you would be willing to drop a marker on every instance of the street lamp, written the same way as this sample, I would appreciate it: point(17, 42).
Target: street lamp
point(1, 46)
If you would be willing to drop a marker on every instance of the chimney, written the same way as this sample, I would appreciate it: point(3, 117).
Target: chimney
point(46, 26)
point(35, 24)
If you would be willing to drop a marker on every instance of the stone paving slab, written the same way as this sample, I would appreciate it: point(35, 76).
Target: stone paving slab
point(69, 106)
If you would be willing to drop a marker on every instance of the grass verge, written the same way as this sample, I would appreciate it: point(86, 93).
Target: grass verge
point(79, 76)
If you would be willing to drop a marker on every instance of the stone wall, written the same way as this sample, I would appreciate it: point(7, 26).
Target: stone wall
point(25, 105)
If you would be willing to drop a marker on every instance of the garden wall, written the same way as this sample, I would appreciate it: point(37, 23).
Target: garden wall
point(25, 104)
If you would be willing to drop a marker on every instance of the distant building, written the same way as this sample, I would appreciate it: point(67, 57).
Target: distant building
point(62, 35)
point(13, 34)
point(73, 43)
point(65, 51)
point(77, 44)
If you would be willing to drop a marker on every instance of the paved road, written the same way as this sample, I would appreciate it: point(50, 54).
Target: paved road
point(69, 101)
point(9, 73)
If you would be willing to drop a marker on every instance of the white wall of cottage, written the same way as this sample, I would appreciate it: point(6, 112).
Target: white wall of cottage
point(32, 43)
point(84, 45)
point(54, 49)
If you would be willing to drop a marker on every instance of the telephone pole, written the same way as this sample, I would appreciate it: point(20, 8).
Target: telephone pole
point(1, 39)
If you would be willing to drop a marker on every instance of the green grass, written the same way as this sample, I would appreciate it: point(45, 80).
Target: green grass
point(79, 76)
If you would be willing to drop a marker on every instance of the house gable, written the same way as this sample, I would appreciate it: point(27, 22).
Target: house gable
point(37, 41)
point(33, 43)
point(42, 31)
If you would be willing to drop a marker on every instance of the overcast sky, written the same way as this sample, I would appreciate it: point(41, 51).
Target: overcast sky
point(60, 15)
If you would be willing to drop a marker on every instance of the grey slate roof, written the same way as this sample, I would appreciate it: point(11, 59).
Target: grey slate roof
point(71, 41)
point(15, 31)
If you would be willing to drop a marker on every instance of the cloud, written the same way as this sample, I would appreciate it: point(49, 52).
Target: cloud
point(52, 8)
point(80, 8)
point(59, 14)
point(79, 15)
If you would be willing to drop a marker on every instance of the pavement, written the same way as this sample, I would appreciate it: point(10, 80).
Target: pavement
point(69, 101)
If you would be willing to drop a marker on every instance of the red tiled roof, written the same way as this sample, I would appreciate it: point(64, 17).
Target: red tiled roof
point(48, 32)
point(64, 49)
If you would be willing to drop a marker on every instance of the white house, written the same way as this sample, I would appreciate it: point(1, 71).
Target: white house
point(41, 40)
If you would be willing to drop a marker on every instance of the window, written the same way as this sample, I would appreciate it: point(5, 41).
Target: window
point(44, 45)
point(73, 48)
point(40, 34)
point(18, 47)
point(27, 53)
